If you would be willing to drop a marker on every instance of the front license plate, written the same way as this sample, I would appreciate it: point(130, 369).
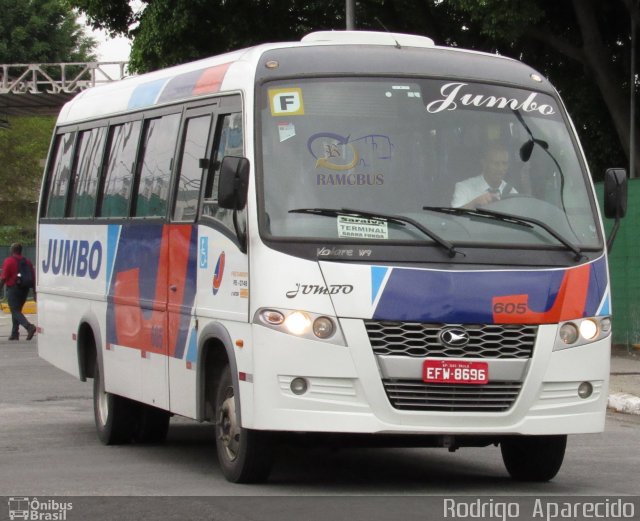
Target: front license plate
point(455, 372)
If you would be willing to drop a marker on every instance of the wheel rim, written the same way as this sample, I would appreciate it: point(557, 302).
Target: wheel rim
point(228, 428)
point(103, 403)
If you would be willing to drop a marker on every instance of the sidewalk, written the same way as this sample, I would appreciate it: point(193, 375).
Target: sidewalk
point(624, 387)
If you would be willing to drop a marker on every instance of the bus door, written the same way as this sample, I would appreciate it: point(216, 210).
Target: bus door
point(223, 271)
point(202, 250)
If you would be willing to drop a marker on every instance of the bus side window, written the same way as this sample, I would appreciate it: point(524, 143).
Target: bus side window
point(229, 142)
point(159, 143)
point(194, 149)
point(123, 145)
point(87, 172)
point(60, 175)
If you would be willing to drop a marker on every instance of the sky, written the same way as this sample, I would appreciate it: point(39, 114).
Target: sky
point(111, 49)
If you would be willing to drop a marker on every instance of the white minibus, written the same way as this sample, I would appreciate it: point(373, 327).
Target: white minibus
point(360, 235)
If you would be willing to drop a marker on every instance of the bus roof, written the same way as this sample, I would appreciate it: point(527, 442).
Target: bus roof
point(237, 70)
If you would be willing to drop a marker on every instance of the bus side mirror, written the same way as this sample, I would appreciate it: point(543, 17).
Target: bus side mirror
point(615, 193)
point(233, 183)
point(615, 199)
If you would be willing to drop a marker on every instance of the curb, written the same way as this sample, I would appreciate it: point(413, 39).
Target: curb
point(625, 403)
point(30, 307)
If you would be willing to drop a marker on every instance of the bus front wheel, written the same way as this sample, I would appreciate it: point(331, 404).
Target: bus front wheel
point(114, 415)
point(533, 458)
point(244, 455)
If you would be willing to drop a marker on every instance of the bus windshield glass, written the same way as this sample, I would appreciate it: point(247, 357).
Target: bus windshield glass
point(437, 152)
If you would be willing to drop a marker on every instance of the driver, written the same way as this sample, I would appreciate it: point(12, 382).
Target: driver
point(490, 185)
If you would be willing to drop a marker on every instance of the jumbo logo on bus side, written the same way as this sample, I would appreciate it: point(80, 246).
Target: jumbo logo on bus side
point(73, 258)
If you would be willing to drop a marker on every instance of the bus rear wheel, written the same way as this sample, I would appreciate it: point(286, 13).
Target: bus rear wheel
point(245, 455)
point(533, 458)
point(114, 415)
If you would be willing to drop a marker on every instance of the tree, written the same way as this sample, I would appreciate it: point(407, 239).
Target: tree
point(584, 47)
point(23, 149)
point(581, 45)
point(32, 31)
point(42, 31)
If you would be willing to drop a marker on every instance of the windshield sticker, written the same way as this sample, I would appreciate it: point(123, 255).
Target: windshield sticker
point(405, 88)
point(341, 154)
point(456, 94)
point(357, 227)
point(286, 131)
point(336, 152)
point(286, 102)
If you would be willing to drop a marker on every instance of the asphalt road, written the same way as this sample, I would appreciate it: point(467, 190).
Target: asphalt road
point(48, 447)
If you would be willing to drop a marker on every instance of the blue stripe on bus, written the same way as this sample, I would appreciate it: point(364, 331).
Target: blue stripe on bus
point(417, 295)
point(192, 350)
point(180, 87)
point(598, 281)
point(145, 95)
point(113, 233)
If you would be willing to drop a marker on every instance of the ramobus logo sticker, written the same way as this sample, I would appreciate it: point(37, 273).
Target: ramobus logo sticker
point(218, 273)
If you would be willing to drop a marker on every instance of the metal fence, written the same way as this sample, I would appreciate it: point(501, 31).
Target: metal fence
point(624, 270)
point(53, 78)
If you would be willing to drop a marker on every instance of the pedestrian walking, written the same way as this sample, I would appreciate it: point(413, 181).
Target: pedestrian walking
point(19, 277)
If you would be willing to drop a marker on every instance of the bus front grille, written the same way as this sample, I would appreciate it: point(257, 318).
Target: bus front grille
point(415, 395)
point(415, 339)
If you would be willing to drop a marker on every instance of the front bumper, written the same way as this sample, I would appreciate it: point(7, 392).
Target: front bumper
point(346, 392)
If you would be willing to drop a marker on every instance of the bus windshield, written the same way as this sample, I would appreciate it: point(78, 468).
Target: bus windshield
point(415, 149)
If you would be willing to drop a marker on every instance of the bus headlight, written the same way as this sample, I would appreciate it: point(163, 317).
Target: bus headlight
point(304, 324)
point(272, 316)
point(582, 331)
point(298, 323)
point(588, 329)
point(323, 327)
point(569, 333)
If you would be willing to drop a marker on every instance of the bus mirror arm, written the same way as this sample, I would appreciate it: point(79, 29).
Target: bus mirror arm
point(615, 199)
point(232, 191)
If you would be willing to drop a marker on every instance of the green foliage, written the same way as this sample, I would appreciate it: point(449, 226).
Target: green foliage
point(32, 31)
point(23, 150)
point(168, 32)
point(588, 63)
point(553, 38)
point(175, 31)
point(41, 31)
point(114, 16)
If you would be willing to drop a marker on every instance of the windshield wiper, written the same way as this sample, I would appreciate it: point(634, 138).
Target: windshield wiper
point(527, 222)
point(395, 219)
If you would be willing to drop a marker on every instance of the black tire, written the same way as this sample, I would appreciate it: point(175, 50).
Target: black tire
point(152, 424)
point(114, 415)
point(245, 455)
point(533, 458)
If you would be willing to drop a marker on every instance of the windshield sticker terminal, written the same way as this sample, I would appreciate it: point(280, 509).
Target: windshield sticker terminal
point(357, 227)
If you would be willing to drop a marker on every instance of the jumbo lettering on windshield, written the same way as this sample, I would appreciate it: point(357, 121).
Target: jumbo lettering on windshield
point(455, 94)
point(73, 258)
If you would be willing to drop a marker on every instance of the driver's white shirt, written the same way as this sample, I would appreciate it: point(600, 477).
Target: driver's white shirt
point(467, 190)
